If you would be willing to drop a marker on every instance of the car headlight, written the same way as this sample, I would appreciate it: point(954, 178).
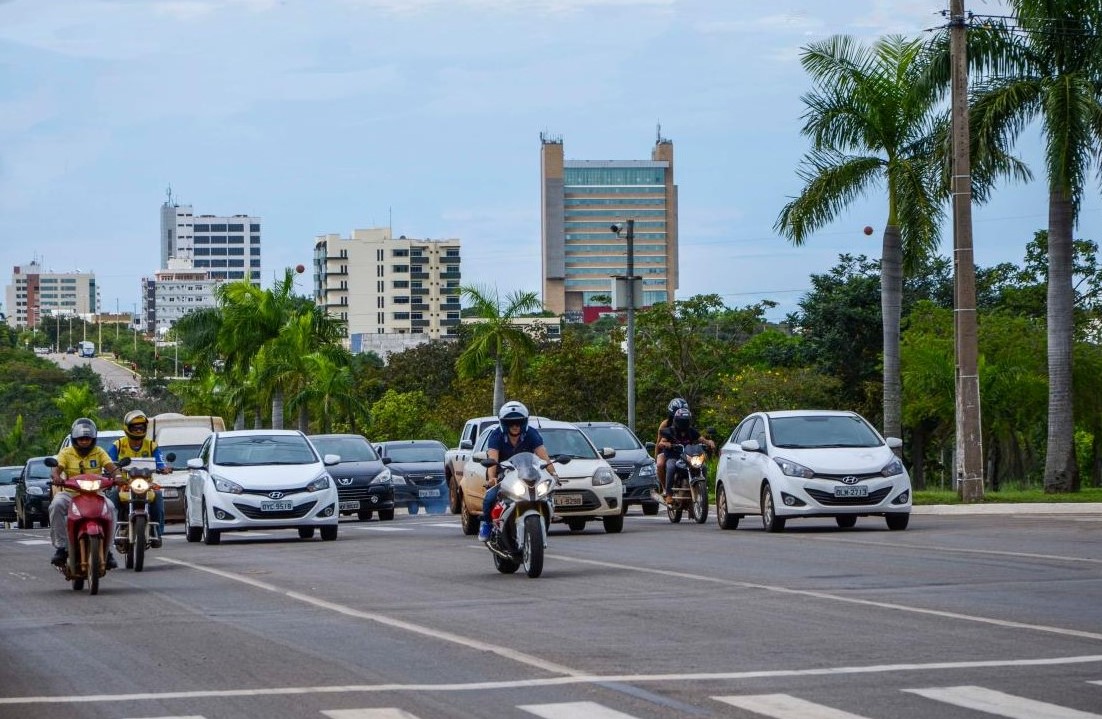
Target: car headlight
point(892, 468)
point(382, 478)
point(322, 482)
point(791, 469)
point(648, 470)
point(224, 485)
point(603, 476)
point(36, 491)
point(397, 477)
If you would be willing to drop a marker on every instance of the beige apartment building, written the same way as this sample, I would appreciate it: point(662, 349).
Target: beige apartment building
point(381, 285)
point(35, 295)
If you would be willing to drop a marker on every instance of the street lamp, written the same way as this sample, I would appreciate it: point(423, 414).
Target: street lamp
point(628, 228)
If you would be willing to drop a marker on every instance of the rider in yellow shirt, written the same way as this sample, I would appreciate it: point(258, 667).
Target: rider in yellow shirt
point(82, 456)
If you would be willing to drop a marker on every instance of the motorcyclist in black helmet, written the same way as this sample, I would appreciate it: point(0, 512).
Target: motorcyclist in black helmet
point(672, 441)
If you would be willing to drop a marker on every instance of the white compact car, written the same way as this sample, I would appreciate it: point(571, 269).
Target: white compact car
point(589, 488)
point(810, 463)
point(260, 479)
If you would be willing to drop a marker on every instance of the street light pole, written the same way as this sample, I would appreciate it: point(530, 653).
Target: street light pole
point(629, 234)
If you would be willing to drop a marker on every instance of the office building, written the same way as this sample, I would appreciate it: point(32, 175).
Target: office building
point(170, 294)
point(385, 286)
point(34, 295)
point(580, 200)
point(226, 246)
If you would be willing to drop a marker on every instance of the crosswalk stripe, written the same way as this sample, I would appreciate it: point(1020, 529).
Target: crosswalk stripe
point(783, 706)
point(380, 713)
point(31, 542)
point(573, 710)
point(1000, 704)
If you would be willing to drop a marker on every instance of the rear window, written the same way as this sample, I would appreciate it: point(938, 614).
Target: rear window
point(416, 453)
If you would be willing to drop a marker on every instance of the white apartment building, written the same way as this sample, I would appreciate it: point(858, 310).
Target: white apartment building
point(34, 295)
point(173, 293)
point(227, 246)
point(380, 285)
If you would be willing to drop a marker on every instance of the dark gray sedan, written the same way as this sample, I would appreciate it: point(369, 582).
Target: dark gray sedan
point(364, 485)
point(633, 462)
point(417, 469)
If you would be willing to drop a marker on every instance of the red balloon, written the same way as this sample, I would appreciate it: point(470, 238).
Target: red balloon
point(300, 268)
point(868, 231)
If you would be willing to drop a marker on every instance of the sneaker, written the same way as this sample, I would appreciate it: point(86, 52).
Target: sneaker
point(111, 563)
point(61, 556)
point(668, 499)
point(484, 532)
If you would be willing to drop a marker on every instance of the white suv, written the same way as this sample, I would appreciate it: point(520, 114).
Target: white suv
point(589, 488)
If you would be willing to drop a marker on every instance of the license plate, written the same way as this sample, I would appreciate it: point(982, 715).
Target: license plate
point(171, 493)
point(856, 491)
point(349, 506)
point(280, 506)
point(568, 500)
point(428, 493)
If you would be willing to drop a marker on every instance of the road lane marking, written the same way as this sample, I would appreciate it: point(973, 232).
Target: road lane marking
point(1000, 704)
point(783, 706)
point(949, 550)
point(815, 594)
point(374, 713)
point(573, 710)
point(32, 542)
point(557, 681)
point(476, 644)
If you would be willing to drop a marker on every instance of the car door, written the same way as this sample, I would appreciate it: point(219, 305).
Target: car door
point(744, 469)
point(196, 480)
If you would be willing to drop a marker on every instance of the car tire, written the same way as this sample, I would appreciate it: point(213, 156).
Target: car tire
point(191, 534)
point(210, 536)
point(305, 532)
point(453, 494)
point(576, 524)
point(650, 509)
point(897, 521)
point(329, 532)
point(385, 515)
point(770, 522)
point(365, 514)
point(846, 521)
point(724, 518)
point(613, 524)
point(468, 521)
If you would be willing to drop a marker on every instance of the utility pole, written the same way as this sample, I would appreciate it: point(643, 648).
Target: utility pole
point(628, 228)
point(969, 430)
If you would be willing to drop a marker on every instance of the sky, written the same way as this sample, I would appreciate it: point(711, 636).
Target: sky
point(322, 116)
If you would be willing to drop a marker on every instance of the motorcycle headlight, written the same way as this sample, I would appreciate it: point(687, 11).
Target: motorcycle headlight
point(322, 482)
point(88, 485)
point(697, 461)
point(36, 491)
point(224, 485)
point(892, 468)
point(382, 478)
point(515, 487)
point(139, 486)
point(791, 469)
point(648, 470)
point(603, 476)
point(543, 488)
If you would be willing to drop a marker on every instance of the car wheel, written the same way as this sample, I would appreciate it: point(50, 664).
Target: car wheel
point(453, 494)
point(769, 519)
point(191, 534)
point(623, 508)
point(365, 515)
point(385, 515)
point(724, 519)
point(897, 521)
point(466, 519)
point(210, 536)
point(305, 532)
point(329, 533)
point(613, 524)
point(576, 524)
point(700, 502)
point(650, 509)
point(846, 521)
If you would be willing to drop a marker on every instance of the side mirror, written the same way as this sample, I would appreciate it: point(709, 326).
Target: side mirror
point(487, 462)
point(125, 461)
point(649, 446)
point(50, 462)
point(608, 452)
point(894, 442)
point(387, 460)
point(478, 456)
point(330, 459)
point(562, 458)
point(195, 463)
point(750, 445)
point(170, 457)
point(466, 444)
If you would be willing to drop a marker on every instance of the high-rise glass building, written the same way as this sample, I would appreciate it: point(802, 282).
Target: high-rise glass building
point(581, 199)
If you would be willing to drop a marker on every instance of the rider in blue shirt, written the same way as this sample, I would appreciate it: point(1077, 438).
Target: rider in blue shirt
point(511, 436)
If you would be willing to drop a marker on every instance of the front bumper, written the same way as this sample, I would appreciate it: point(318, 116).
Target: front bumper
point(574, 499)
point(364, 499)
point(229, 512)
point(816, 498)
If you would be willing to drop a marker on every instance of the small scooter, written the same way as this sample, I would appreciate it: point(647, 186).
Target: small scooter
point(87, 523)
point(137, 490)
point(522, 513)
point(689, 489)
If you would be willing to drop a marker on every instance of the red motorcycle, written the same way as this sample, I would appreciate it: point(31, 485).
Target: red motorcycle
point(88, 524)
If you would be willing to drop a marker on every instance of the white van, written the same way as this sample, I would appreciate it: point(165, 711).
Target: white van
point(183, 436)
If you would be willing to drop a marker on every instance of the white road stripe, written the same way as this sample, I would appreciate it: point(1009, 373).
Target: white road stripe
point(1000, 704)
point(573, 710)
point(387, 529)
point(380, 713)
point(783, 706)
point(190, 716)
point(948, 550)
point(30, 542)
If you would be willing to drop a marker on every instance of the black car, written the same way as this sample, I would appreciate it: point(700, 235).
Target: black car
point(417, 468)
point(364, 486)
point(633, 462)
point(8, 475)
point(32, 494)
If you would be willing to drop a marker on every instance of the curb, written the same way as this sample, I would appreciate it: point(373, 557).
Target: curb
point(1011, 508)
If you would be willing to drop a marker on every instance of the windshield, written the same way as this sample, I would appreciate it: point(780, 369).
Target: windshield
point(8, 474)
point(814, 431)
point(255, 450)
point(416, 453)
point(567, 441)
point(38, 470)
point(351, 449)
point(527, 466)
point(615, 437)
point(183, 452)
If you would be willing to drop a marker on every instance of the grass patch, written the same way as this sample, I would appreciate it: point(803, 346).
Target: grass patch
point(1011, 496)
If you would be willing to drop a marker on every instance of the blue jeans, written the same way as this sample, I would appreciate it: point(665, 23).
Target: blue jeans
point(489, 501)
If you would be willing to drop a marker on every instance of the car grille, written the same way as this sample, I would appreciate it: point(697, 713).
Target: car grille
point(255, 513)
point(590, 501)
point(623, 471)
point(829, 500)
point(265, 492)
point(425, 480)
point(348, 494)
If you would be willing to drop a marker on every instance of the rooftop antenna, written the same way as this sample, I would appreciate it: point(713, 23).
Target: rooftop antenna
point(168, 193)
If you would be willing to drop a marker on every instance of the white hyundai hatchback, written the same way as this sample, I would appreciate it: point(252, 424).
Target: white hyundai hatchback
point(810, 463)
point(260, 479)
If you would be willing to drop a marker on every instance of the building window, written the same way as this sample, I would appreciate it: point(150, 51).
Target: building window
point(399, 268)
point(218, 228)
point(255, 227)
point(236, 228)
point(254, 239)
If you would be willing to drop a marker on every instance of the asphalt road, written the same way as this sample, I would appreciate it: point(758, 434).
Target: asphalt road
point(959, 617)
point(114, 375)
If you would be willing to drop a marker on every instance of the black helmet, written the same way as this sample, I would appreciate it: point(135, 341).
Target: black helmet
point(675, 404)
point(511, 413)
point(682, 419)
point(82, 428)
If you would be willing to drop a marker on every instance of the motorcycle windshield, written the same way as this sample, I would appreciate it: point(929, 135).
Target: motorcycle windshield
point(527, 466)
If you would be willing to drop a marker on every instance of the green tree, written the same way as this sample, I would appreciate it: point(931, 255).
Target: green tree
point(497, 338)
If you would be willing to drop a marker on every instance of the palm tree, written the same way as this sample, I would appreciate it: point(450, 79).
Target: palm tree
point(497, 337)
point(873, 122)
point(331, 391)
point(1048, 70)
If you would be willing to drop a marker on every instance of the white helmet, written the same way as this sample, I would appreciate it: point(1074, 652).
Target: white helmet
point(512, 413)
